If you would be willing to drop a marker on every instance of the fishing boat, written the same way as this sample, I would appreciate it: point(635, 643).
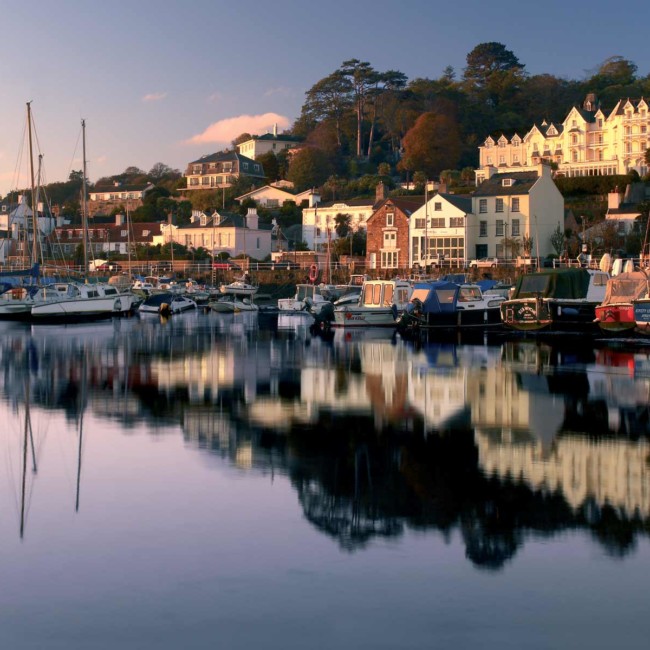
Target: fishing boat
point(626, 294)
point(447, 305)
point(379, 305)
point(562, 299)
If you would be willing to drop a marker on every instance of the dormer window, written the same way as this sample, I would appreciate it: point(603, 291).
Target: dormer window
point(506, 182)
point(204, 220)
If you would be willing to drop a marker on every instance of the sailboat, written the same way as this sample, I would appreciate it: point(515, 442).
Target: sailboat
point(76, 301)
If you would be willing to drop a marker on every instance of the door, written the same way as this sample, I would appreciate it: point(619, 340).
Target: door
point(481, 251)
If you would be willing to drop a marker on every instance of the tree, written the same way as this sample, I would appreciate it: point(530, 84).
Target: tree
point(558, 240)
point(433, 144)
point(343, 223)
point(242, 137)
point(362, 77)
point(309, 168)
point(527, 245)
point(383, 169)
point(270, 165)
point(159, 171)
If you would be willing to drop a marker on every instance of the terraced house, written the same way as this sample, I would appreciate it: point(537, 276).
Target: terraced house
point(591, 141)
point(221, 170)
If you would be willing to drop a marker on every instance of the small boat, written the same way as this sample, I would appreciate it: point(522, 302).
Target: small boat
point(562, 299)
point(379, 305)
point(166, 303)
point(308, 296)
point(232, 303)
point(240, 287)
point(64, 301)
point(616, 314)
point(447, 305)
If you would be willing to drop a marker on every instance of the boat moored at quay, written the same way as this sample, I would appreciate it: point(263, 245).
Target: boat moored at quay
point(563, 299)
point(626, 306)
point(379, 305)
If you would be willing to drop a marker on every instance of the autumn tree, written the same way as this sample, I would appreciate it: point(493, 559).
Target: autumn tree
point(270, 165)
point(433, 144)
point(309, 167)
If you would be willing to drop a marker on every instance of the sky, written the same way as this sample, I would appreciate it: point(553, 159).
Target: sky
point(169, 81)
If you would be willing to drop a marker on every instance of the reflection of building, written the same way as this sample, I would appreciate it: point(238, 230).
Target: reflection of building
point(611, 472)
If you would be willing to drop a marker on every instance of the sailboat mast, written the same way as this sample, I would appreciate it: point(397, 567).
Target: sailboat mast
point(84, 198)
point(35, 254)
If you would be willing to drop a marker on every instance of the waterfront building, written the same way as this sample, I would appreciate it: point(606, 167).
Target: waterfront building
point(387, 240)
point(591, 141)
point(223, 232)
point(221, 169)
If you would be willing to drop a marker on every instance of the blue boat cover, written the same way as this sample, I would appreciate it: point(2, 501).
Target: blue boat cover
point(437, 297)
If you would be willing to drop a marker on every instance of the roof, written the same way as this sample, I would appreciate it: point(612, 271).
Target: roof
point(462, 202)
point(407, 205)
point(227, 156)
point(270, 136)
point(493, 186)
point(228, 220)
point(369, 202)
point(120, 188)
point(625, 208)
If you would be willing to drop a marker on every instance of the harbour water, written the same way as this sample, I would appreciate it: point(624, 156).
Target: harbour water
point(232, 481)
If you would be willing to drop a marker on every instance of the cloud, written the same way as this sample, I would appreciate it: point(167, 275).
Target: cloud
point(154, 97)
point(279, 90)
point(225, 131)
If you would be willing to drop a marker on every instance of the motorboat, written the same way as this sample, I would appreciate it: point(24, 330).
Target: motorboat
point(380, 303)
point(240, 287)
point(447, 305)
point(232, 303)
point(625, 294)
point(62, 301)
point(166, 303)
point(308, 296)
point(563, 299)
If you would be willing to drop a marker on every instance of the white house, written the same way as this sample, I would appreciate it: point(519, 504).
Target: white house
point(443, 221)
point(623, 207)
point(514, 205)
point(269, 142)
point(222, 232)
point(270, 196)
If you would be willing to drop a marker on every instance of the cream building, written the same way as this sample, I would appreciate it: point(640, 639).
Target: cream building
point(589, 142)
point(270, 196)
point(269, 142)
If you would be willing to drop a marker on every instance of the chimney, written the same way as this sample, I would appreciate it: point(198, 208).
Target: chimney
point(614, 199)
point(442, 188)
point(252, 219)
point(314, 199)
point(489, 171)
point(119, 219)
point(380, 192)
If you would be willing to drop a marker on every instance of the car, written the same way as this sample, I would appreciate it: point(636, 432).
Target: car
point(225, 265)
point(109, 266)
point(485, 263)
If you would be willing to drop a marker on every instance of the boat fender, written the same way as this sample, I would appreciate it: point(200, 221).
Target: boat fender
point(313, 273)
point(164, 309)
point(17, 293)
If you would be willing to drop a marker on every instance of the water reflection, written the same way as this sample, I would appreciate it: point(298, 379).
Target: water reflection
point(496, 443)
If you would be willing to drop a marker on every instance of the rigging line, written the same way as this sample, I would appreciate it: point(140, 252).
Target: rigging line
point(19, 159)
point(74, 153)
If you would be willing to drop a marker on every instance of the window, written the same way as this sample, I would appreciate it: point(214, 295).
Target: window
point(499, 228)
point(317, 232)
point(390, 219)
point(499, 205)
point(482, 205)
point(502, 160)
point(515, 227)
point(506, 182)
point(388, 260)
point(438, 222)
point(258, 243)
point(390, 239)
point(600, 123)
point(515, 204)
point(272, 203)
point(574, 139)
point(419, 222)
point(456, 222)
point(515, 158)
point(482, 229)
point(489, 160)
point(123, 233)
point(515, 143)
point(437, 206)
point(245, 165)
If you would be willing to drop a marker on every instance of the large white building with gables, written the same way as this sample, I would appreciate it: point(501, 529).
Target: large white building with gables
point(589, 142)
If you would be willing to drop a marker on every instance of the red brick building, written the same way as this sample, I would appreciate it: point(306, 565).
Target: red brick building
point(387, 243)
